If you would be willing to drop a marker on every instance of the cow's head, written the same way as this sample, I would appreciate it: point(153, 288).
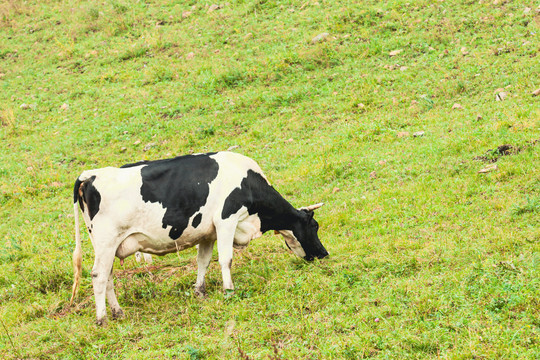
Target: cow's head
point(303, 239)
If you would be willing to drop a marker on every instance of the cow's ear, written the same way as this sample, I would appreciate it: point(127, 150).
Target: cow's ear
point(311, 207)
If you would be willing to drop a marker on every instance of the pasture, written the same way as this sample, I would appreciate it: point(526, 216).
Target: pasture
point(415, 122)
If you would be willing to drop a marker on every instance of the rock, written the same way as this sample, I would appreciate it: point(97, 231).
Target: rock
point(319, 38)
point(501, 96)
point(373, 174)
point(488, 169)
point(214, 7)
point(137, 142)
point(418, 134)
point(464, 51)
point(149, 146)
point(25, 106)
point(395, 52)
point(190, 55)
point(457, 106)
point(403, 68)
point(186, 14)
point(123, 149)
point(64, 106)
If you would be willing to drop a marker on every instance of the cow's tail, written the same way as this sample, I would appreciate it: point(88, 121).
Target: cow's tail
point(77, 253)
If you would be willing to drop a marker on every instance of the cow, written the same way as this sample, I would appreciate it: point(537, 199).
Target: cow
point(164, 206)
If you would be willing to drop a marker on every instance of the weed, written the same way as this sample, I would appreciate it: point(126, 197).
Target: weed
point(531, 206)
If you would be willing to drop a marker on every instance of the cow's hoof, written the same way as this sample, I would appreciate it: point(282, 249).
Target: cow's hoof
point(101, 322)
point(200, 292)
point(117, 314)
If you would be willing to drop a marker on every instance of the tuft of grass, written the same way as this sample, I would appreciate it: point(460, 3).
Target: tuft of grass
point(531, 206)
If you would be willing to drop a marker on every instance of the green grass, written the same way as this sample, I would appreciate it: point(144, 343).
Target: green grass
point(429, 258)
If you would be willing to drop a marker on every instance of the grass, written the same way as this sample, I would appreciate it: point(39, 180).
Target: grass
point(429, 257)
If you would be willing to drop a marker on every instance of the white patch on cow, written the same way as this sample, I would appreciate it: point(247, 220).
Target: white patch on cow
point(293, 243)
point(248, 228)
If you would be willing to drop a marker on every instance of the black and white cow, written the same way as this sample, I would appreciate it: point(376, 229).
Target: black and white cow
point(163, 206)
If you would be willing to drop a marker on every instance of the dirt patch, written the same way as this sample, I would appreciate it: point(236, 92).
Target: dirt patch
point(492, 155)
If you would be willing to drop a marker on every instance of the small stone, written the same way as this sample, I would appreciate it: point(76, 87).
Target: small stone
point(419, 133)
point(335, 190)
point(403, 134)
point(190, 55)
point(123, 149)
point(488, 169)
point(479, 117)
point(382, 162)
point(360, 106)
point(395, 52)
point(186, 14)
point(214, 7)
point(25, 106)
point(403, 68)
point(137, 142)
point(149, 146)
point(64, 106)
point(464, 51)
point(319, 38)
point(373, 174)
point(457, 106)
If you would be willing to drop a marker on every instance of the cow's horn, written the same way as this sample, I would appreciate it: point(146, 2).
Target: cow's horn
point(312, 207)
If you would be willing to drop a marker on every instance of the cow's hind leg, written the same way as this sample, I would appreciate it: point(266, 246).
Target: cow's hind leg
point(116, 310)
point(204, 256)
point(101, 271)
point(225, 240)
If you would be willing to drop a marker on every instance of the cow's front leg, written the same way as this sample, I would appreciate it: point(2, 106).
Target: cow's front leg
point(100, 277)
point(204, 256)
point(116, 310)
point(225, 240)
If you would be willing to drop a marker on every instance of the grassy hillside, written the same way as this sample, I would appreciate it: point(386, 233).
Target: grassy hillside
point(385, 111)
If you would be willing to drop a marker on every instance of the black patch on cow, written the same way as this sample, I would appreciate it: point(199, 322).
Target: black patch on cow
point(262, 199)
point(180, 185)
point(274, 212)
point(196, 220)
point(85, 191)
